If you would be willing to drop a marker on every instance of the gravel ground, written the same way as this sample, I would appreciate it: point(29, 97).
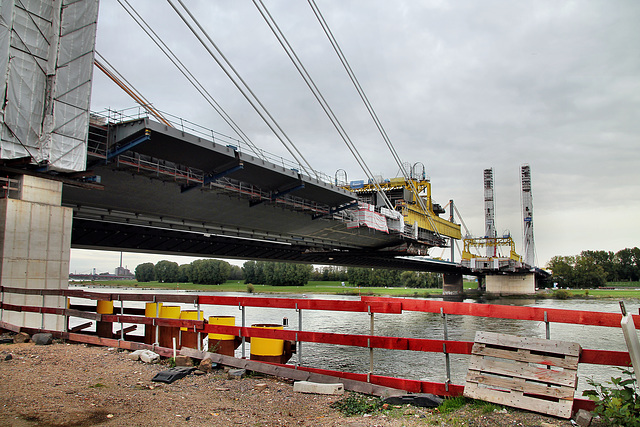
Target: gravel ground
point(79, 385)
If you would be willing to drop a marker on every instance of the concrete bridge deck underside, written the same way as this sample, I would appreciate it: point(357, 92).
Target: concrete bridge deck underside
point(144, 210)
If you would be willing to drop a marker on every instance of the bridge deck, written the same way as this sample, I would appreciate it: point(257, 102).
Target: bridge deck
point(156, 198)
point(168, 143)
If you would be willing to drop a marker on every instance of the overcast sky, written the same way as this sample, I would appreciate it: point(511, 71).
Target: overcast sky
point(459, 86)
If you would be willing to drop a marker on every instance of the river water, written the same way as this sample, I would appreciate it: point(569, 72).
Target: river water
point(419, 365)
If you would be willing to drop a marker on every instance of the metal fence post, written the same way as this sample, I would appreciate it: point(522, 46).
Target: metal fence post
point(66, 315)
point(299, 343)
point(241, 307)
point(547, 325)
point(121, 314)
point(156, 321)
point(42, 312)
point(199, 333)
point(371, 326)
point(447, 361)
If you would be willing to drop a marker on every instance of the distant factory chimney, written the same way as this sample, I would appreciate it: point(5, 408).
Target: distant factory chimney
point(489, 211)
point(527, 213)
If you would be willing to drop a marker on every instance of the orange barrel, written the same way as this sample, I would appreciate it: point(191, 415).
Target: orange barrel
point(167, 333)
point(150, 330)
point(104, 329)
point(267, 349)
point(222, 343)
point(188, 338)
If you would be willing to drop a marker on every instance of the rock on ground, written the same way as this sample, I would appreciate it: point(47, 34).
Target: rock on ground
point(42, 339)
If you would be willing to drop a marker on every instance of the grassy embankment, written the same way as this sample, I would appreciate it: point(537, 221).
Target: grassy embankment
point(622, 289)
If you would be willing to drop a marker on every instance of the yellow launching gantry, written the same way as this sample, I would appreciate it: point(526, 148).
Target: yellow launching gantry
point(496, 258)
point(420, 216)
point(492, 244)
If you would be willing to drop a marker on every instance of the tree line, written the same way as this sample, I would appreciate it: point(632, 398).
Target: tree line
point(592, 269)
point(201, 271)
point(215, 272)
point(276, 273)
point(392, 278)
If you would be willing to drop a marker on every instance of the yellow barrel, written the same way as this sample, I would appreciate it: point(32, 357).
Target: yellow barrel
point(225, 321)
point(267, 346)
point(167, 333)
point(150, 309)
point(150, 330)
point(188, 338)
point(104, 329)
point(104, 307)
point(190, 315)
point(170, 312)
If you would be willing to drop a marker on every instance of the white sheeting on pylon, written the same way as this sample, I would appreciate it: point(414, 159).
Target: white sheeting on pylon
point(46, 66)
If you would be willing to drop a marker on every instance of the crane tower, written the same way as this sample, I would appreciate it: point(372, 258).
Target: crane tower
point(527, 213)
point(489, 210)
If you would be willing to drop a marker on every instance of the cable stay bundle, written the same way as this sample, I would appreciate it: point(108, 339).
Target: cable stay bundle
point(241, 85)
point(218, 56)
point(370, 109)
point(318, 95)
point(138, 19)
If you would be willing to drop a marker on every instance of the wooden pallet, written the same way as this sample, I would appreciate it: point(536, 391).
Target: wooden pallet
point(528, 373)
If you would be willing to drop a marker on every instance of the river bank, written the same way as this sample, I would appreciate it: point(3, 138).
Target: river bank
point(620, 290)
point(78, 385)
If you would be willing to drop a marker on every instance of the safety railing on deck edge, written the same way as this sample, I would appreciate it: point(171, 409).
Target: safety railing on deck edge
point(135, 113)
point(371, 305)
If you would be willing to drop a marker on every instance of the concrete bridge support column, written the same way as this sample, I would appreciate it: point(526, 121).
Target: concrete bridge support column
point(452, 284)
point(35, 246)
point(511, 284)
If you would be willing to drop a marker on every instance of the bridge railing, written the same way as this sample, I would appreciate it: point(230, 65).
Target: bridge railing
point(370, 305)
point(136, 113)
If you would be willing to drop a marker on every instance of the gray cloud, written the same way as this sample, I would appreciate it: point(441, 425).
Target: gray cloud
point(459, 86)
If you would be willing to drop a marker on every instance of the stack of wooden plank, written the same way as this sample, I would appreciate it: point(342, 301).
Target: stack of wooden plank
point(528, 373)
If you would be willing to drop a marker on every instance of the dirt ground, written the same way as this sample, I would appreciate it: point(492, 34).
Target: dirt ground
point(79, 385)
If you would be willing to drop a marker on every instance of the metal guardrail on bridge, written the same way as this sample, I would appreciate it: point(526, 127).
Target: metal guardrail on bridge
point(135, 113)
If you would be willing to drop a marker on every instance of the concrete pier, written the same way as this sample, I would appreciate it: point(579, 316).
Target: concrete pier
point(511, 284)
point(35, 245)
point(452, 284)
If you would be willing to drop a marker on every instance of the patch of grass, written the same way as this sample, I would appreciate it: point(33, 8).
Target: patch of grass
point(470, 285)
point(97, 385)
point(486, 407)
point(452, 404)
point(626, 289)
point(624, 284)
point(358, 404)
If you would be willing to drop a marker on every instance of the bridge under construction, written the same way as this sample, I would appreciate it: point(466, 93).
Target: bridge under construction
point(164, 190)
point(77, 179)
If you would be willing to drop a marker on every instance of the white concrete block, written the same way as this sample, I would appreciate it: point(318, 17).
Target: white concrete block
point(35, 246)
point(32, 320)
point(40, 190)
point(318, 388)
point(16, 272)
point(39, 232)
point(36, 269)
point(148, 356)
point(516, 284)
point(17, 233)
